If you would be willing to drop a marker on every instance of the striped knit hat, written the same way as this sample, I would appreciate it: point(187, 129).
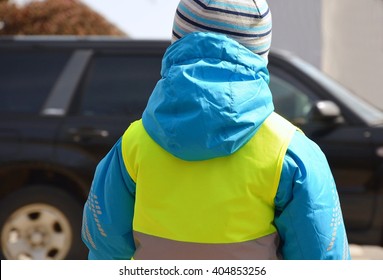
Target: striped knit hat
point(246, 21)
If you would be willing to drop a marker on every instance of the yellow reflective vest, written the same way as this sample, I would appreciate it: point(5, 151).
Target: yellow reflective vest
point(224, 203)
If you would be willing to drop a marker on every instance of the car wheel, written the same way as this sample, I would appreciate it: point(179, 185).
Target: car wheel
point(41, 222)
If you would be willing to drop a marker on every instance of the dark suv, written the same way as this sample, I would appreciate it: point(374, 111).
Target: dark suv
point(64, 101)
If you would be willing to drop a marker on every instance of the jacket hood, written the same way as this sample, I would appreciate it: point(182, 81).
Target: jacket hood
point(212, 97)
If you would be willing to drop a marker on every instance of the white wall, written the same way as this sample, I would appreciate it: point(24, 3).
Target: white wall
point(353, 46)
point(297, 28)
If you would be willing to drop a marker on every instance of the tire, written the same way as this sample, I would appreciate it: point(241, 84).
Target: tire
point(41, 222)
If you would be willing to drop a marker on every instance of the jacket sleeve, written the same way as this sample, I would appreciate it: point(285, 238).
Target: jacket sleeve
point(108, 211)
point(308, 212)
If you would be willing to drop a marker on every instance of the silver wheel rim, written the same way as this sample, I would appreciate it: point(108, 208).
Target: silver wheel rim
point(36, 231)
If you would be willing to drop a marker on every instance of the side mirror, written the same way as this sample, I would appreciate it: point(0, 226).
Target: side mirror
point(326, 111)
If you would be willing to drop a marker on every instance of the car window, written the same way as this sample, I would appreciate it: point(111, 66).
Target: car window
point(119, 85)
point(27, 77)
point(290, 101)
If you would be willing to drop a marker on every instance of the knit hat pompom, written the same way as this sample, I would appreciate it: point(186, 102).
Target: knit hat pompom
point(246, 21)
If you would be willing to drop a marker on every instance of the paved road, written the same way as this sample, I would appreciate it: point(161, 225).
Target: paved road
point(366, 252)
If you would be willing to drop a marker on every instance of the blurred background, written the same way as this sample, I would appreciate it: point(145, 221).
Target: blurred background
point(342, 38)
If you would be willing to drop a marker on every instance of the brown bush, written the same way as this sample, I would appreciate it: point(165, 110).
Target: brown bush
point(53, 17)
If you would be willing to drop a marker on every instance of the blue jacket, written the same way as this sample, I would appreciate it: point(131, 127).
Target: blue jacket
point(195, 89)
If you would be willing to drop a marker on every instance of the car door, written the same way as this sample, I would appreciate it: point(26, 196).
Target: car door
point(27, 76)
point(346, 143)
point(112, 94)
